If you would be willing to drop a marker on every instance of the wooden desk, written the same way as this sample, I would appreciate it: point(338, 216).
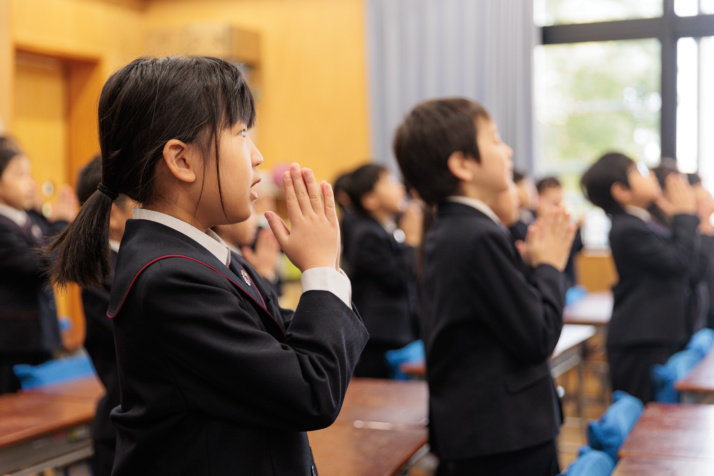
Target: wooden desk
point(664, 467)
point(344, 450)
point(698, 385)
point(595, 309)
point(397, 402)
point(672, 431)
point(39, 431)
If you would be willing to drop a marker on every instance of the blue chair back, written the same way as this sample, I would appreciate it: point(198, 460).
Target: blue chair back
point(411, 353)
point(591, 462)
point(54, 371)
point(702, 341)
point(610, 431)
point(677, 367)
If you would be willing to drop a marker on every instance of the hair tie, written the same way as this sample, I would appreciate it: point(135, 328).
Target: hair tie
point(107, 191)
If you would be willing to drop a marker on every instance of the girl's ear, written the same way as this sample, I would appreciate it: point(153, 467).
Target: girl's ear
point(460, 166)
point(182, 160)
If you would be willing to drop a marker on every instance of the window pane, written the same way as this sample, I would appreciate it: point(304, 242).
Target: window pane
point(708, 7)
point(686, 8)
point(687, 99)
point(706, 112)
point(554, 12)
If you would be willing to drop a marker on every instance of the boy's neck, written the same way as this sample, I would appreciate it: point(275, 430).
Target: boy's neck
point(485, 196)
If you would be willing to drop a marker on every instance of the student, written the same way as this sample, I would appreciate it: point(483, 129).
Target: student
point(381, 258)
point(99, 337)
point(527, 204)
point(550, 195)
point(29, 330)
point(344, 206)
point(650, 298)
point(488, 332)
point(705, 210)
point(214, 379)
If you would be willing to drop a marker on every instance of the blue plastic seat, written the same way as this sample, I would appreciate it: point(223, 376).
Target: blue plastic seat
point(610, 431)
point(702, 341)
point(54, 371)
point(591, 462)
point(677, 367)
point(410, 353)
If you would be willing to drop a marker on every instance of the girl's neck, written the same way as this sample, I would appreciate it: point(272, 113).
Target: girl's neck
point(177, 212)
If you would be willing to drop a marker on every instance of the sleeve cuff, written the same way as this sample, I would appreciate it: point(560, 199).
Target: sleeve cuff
point(328, 279)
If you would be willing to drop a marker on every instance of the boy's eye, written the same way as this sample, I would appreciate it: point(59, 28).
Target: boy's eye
point(243, 132)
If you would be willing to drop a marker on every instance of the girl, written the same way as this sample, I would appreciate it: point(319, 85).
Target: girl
point(214, 377)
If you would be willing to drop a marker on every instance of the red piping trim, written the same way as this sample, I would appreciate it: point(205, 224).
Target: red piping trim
point(111, 316)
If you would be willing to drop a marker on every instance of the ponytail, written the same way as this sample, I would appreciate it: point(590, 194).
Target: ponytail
point(81, 252)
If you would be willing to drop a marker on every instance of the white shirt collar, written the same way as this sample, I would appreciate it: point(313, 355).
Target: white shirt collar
point(638, 212)
point(209, 240)
point(114, 246)
point(18, 217)
point(477, 204)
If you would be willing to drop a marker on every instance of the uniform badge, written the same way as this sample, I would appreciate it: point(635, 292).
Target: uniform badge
point(245, 277)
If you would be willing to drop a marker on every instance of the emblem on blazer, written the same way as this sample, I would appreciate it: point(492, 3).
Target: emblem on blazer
point(245, 277)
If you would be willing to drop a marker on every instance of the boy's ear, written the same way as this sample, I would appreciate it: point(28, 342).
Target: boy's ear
point(460, 166)
point(621, 193)
point(181, 160)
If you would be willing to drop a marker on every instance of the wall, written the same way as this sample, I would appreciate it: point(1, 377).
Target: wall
point(313, 106)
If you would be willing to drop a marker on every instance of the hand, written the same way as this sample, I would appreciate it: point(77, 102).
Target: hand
point(680, 196)
point(314, 238)
point(550, 240)
point(412, 224)
point(66, 206)
point(266, 255)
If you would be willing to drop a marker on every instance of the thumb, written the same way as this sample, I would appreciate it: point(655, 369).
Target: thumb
point(277, 226)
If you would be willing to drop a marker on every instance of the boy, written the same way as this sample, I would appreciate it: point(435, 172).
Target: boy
point(650, 298)
point(705, 209)
point(488, 332)
point(381, 263)
point(527, 204)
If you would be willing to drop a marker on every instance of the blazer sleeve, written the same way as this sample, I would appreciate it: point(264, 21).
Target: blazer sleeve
point(227, 366)
point(389, 265)
point(17, 257)
point(526, 318)
point(650, 252)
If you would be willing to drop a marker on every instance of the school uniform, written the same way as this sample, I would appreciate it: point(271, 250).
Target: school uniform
point(489, 331)
point(649, 317)
point(383, 274)
point(29, 331)
point(99, 344)
point(214, 377)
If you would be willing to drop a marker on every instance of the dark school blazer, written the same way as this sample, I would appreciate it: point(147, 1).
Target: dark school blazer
point(650, 297)
point(28, 314)
point(383, 275)
point(488, 332)
point(214, 378)
point(99, 343)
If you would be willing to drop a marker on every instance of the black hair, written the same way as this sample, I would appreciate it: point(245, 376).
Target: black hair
point(666, 168)
point(694, 179)
point(362, 181)
point(547, 182)
point(89, 177)
point(9, 149)
point(518, 176)
point(339, 188)
point(427, 137)
point(598, 180)
point(142, 106)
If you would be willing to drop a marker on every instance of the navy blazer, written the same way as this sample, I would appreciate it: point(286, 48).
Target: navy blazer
point(28, 314)
point(383, 275)
point(650, 297)
point(489, 332)
point(214, 378)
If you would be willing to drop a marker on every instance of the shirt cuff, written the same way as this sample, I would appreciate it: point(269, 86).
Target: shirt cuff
point(328, 279)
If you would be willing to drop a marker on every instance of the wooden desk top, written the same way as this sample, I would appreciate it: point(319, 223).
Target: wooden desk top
point(344, 450)
point(594, 309)
point(672, 430)
point(89, 387)
point(572, 336)
point(400, 402)
point(664, 467)
point(28, 415)
point(700, 378)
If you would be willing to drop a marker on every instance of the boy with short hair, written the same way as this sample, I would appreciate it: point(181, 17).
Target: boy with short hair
point(650, 298)
point(488, 330)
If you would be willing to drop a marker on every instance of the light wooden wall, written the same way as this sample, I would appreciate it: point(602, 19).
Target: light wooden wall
point(6, 65)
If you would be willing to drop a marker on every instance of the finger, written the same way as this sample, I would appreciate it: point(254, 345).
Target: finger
point(330, 209)
point(313, 191)
point(303, 199)
point(277, 225)
point(248, 253)
point(290, 197)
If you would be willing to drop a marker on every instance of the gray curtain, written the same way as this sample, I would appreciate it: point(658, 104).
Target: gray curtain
point(424, 49)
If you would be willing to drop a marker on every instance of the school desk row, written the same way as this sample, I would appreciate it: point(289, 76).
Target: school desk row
point(381, 427)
